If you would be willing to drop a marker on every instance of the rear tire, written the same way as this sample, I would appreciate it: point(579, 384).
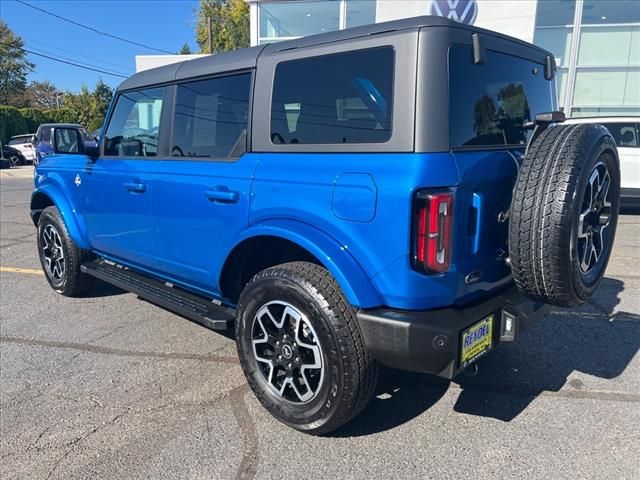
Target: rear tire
point(60, 257)
point(318, 330)
point(565, 204)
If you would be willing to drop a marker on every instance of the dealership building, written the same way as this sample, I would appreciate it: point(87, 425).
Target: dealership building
point(596, 42)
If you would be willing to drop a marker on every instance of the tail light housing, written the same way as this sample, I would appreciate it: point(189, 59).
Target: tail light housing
point(432, 227)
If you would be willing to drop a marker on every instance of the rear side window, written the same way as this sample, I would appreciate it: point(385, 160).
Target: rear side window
point(133, 128)
point(211, 115)
point(489, 102)
point(334, 99)
point(625, 134)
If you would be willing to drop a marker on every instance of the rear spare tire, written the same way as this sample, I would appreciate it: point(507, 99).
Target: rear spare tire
point(564, 213)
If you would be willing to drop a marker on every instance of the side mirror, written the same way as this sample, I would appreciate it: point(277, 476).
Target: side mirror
point(70, 140)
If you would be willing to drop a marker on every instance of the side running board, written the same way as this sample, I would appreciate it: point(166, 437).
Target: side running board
point(194, 307)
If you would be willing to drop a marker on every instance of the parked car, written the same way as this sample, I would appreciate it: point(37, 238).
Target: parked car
point(43, 137)
point(24, 143)
point(626, 133)
point(402, 193)
point(12, 156)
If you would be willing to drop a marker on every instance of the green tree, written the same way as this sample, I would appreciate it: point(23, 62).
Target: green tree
point(14, 67)
point(229, 24)
point(84, 105)
point(103, 94)
point(185, 50)
point(11, 123)
point(33, 118)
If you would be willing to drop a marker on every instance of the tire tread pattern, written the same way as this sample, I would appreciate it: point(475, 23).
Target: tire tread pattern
point(360, 369)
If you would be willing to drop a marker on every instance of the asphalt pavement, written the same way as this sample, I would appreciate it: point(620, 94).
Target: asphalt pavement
point(109, 386)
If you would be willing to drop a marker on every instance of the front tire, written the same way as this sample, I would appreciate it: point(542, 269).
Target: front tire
point(60, 257)
point(301, 349)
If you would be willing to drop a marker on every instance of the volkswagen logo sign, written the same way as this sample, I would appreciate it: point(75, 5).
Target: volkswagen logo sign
point(464, 11)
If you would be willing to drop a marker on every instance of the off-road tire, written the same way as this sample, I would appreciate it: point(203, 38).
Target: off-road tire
point(350, 374)
point(73, 282)
point(546, 208)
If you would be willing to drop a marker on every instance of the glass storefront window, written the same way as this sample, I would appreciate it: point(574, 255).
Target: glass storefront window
point(280, 20)
point(561, 80)
point(610, 87)
point(555, 12)
point(360, 12)
point(557, 40)
point(598, 12)
point(609, 45)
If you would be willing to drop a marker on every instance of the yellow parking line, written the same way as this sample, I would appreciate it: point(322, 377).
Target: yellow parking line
point(30, 271)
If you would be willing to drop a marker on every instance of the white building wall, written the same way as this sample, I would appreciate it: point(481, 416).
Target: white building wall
point(145, 62)
point(511, 18)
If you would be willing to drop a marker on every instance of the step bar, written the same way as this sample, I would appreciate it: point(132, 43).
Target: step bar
point(194, 307)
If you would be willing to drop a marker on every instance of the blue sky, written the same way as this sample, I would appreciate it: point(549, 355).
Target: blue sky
point(163, 24)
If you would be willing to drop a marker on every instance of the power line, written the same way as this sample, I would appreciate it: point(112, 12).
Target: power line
point(94, 58)
point(42, 51)
point(75, 64)
point(91, 28)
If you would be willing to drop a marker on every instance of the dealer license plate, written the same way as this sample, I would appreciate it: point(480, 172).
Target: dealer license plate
point(477, 340)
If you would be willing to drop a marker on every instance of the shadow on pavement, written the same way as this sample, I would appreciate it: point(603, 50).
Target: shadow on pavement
point(399, 398)
point(591, 339)
point(102, 289)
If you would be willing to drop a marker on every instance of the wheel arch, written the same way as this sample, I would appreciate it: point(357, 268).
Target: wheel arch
point(47, 196)
point(284, 241)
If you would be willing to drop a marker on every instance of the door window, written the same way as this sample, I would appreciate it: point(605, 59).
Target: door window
point(332, 99)
point(134, 125)
point(211, 116)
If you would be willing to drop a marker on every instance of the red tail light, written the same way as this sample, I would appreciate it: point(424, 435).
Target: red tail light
point(432, 225)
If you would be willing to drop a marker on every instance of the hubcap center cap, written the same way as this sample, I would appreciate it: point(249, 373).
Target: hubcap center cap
point(287, 351)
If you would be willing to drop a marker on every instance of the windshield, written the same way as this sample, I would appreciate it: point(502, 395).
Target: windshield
point(20, 140)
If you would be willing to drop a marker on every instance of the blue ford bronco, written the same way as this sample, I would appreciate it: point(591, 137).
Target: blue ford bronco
point(401, 194)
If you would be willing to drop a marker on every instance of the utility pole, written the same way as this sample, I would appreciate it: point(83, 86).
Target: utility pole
point(210, 30)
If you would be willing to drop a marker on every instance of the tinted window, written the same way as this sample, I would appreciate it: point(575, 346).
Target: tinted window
point(625, 134)
point(133, 128)
point(210, 116)
point(491, 101)
point(340, 98)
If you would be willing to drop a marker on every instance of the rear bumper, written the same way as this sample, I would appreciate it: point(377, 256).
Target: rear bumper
point(429, 342)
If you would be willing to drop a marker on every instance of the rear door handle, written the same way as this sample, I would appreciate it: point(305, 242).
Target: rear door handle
point(135, 187)
point(223, 196)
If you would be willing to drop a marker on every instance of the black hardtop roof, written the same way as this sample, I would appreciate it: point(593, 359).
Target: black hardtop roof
point(245, 58)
